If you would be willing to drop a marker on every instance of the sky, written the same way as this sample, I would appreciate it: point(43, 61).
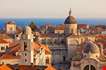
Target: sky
point(52, 8)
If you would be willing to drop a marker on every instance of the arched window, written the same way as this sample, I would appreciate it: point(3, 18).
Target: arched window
point(89, 67)
point(25, 46)
point(47, 60)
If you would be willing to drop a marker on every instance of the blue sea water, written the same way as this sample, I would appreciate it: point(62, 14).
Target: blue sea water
point(41, 21)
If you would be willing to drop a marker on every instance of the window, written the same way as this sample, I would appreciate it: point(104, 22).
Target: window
point(2, 48)
point(16, 35)
point(11, 28)
point(47, 61)
point(89, 67)
point(64, 58)
point(25, 46)
point(25, 60)
point(2, 62)
point(25, 54)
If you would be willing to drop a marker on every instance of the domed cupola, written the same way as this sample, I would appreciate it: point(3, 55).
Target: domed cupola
point(70, 25)
point(70, 19)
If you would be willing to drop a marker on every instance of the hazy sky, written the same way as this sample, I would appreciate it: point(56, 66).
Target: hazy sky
point(52, 8)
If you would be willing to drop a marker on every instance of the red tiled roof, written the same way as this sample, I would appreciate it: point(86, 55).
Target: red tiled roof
point(13, 43)
point(84, 26)
point(37, 46)
point(16, 48)
point(50, 67)
point(9, 56)
point(4, 36)
point(5, 67)
point(23, 67)
point(60, 28)
point(101, 36)
point(43, 35)
point(103, 43)
point(3, 41)
point(46, 49)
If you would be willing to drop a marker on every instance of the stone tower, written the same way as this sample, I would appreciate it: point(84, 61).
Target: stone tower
point(70, 25)
point(10, 27)
point(27, 52)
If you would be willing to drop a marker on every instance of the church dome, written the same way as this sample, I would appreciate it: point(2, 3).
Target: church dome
point(70, 19)
point(91, 47)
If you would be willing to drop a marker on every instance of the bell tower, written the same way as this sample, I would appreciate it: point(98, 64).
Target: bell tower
point(27, 52)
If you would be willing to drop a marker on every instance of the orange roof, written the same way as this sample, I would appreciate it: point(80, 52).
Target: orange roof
point(3, 41)
point(9, 56)
point(61, 27)
point(23, 67)
point(46, 49)
point(101, 36)
point(4, 36)
point(84, 26)
point(43, 35)
point(50, 68)
point(5, 67)
point(37, 46)
point(15, 48)
point(14, 43)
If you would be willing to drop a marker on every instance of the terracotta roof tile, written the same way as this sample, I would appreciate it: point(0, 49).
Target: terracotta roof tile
point(9, 56)
point(43, 35)
point(46, 49)
point(37, 46)
point(50, 67)
point(15, 49)
point(5, 67)
point(4, 36)
point(3, 41)
point(23, 67)
point(84, 26)
point(60, 27)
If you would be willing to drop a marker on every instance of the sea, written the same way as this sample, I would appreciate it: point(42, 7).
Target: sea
point(54, 21)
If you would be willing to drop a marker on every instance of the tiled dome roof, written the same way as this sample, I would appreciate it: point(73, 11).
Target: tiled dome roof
point(70, 20)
